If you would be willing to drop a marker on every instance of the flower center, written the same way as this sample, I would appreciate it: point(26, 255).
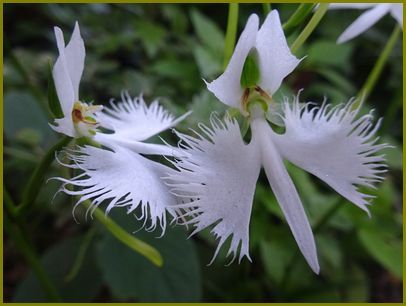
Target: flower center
point(82, 116)
point(255, 95)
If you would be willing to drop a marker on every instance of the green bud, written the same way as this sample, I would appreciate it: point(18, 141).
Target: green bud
point(250, 72)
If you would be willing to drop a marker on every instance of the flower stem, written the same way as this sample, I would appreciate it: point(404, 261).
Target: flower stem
point(37, 178)
point(13, 225)
point(314, 21)
point(379, 64)
point(231, 32)
point(297, 17)
point(266, 7)
point(129, 240)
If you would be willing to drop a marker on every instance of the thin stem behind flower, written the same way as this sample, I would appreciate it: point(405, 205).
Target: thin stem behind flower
point(314, 21)
point(231, 32)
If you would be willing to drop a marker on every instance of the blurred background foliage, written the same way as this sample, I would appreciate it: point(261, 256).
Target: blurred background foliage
point(164, 51)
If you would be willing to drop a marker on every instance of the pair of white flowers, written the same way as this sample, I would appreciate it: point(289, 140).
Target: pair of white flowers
point(215, 171)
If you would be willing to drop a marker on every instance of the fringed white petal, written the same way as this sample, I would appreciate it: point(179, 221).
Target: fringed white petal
point(133, 120)
point(227, 87)
point(285, 192)
point(275, 59)
point(217, 177)
point(397, 13)
point(332, 144)
point(364, 22)
point(122, 177)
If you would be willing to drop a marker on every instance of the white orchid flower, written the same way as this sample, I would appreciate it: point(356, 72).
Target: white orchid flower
point(116, 172)
point(119, 174)
point(218, 171)
point(78, 117)
point(374, 13)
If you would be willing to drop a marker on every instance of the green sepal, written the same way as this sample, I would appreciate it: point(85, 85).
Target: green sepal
point(250, 72)
point(53, 101)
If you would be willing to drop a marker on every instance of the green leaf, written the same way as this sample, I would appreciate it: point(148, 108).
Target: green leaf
point(131, 276)
point(209, 64)
point(21, 112)
point(151, 35)
point(53, 101)
point(208, 32)
point(329, 53)
point(276, 254)
point(58, 261)
point(384, 247)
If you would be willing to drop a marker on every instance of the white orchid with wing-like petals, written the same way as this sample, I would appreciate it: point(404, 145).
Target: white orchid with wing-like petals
point(116, 172)
point(218, 171)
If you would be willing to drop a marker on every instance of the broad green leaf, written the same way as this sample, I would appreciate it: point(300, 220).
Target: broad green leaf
point(329, 53)
point(209, 64)
point(208, 32)
point(58, 261)
point(21, 112)
point(131, 276)
point(277, 254)
point(384, 247)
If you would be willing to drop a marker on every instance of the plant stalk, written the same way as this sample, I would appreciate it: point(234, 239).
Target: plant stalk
point(314, 21)
point(231, 33)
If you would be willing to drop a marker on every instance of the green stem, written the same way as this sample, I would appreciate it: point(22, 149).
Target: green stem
point(137, 245)
point(22, 242)
point(314, 21)
point(81, 255)
point(37, 178)
point(231, 33)
point(267, 8)
point(298, 17)
point(378, 67)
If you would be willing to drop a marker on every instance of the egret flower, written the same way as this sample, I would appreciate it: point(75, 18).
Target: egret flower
point(374, 13)
point(116, 171)
point(218, 171)
point(78, 117)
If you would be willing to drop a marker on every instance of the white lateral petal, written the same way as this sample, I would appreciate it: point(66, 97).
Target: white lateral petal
point(364, 22)
point(65, 126)
point(75, 59)
point(122, 177)
point(285, 192)
point(335, 6)
point(217, 177)
point(397, 13)
point(62, 80)
point(227, 87)
point(133, 120)
point(275, 59)
point(332, 144)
